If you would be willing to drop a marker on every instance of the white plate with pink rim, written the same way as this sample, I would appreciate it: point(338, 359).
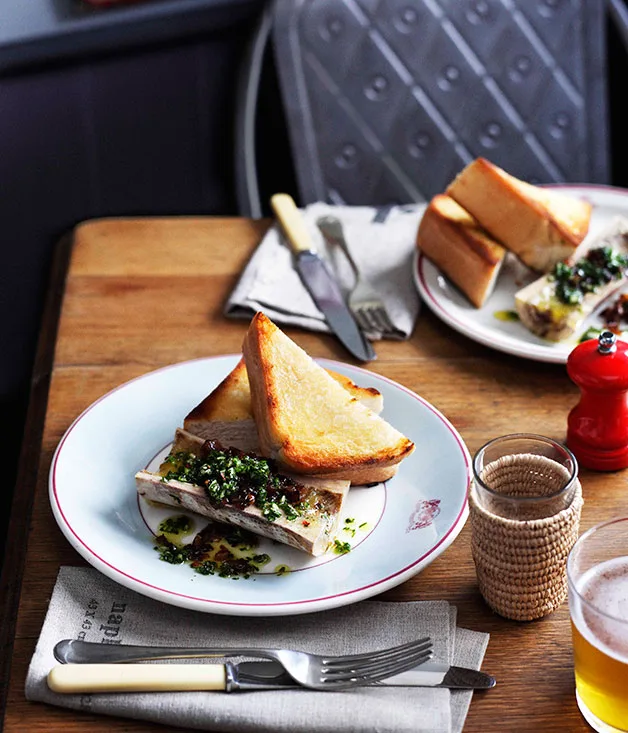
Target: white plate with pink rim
point(490, 325)
point(406, 522)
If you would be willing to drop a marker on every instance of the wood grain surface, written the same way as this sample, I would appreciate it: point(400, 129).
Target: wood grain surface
point(141, 294)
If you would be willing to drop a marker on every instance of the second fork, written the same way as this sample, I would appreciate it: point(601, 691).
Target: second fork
point(365, 303)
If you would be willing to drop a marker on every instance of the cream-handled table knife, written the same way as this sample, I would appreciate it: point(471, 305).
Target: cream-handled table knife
point(318, 280)
point(229, 677)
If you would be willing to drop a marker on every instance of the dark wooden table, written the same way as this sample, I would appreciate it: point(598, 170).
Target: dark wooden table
point(129, 296)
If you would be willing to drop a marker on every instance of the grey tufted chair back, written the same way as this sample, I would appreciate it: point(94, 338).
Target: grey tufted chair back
point(386, 100)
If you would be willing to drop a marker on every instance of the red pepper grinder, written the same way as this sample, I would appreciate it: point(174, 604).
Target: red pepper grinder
point(597, 427)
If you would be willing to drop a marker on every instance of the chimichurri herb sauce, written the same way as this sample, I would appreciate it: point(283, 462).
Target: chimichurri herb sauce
point(176, 525)
point(218, 549)
point(341, 548)
point(231, 477)
point(600, 266)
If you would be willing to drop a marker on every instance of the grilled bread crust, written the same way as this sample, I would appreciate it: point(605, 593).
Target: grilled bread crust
point(306, 421)
point(454, 241)
point(540, 226)
point(231, 400)
point(226, 413)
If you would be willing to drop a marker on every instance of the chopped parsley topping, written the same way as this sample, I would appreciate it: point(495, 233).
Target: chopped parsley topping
point(600, 266)
point(169, 552)
point(176, 525)
point(341, 548)
point(231, 477)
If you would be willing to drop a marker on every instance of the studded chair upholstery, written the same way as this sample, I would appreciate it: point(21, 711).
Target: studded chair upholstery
point(386, 100)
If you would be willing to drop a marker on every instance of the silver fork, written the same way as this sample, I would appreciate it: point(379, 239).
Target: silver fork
point(364, 301)
point(315, 671)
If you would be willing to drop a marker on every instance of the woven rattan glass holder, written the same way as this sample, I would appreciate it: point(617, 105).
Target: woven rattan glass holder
point(525, 506)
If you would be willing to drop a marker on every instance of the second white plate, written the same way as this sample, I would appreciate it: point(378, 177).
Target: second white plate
point(484, 325)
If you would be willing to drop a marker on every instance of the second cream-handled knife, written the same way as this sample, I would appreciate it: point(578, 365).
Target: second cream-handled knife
point(318, 280)
point(229, 677)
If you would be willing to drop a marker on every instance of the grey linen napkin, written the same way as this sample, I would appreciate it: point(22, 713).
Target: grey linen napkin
point(383, 251)
point(86, 605)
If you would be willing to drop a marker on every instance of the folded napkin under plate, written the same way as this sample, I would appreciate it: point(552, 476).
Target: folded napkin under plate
point(87, 605)
point(383, 251)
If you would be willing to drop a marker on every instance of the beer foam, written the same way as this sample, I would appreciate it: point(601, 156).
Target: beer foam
point(605, 587)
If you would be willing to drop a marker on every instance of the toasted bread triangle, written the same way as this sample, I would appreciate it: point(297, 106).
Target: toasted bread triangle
point(539, 225)
point(306, 421)
point(231, 399)
point(454, 241)
point(226, 413)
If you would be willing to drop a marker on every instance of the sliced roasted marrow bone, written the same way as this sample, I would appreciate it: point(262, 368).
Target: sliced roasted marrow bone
point(549, 316)
point(311, 528)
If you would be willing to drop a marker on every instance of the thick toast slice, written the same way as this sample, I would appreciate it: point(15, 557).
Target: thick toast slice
point(454, 241)
point(312, 530)
point(306, 421)
point(226, 413)
point(540, 226)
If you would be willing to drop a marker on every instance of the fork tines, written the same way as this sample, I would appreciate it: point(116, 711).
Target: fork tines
point(370, 667)
point(374, 318)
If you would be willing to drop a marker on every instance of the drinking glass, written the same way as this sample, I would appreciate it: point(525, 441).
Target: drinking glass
point(525, 504)
point(524, 476)
point(597, 572)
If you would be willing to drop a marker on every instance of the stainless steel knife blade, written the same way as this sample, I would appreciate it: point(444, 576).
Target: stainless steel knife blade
point(435, 674)
point(319, 281)
point(428, 674)
point(230, 677)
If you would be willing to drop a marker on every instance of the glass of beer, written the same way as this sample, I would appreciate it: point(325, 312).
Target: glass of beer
point(597, 572)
